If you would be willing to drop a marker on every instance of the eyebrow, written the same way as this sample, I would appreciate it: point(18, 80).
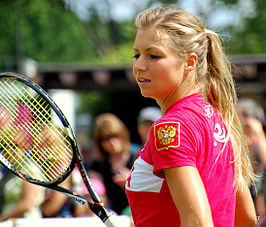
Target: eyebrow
point(147, 49)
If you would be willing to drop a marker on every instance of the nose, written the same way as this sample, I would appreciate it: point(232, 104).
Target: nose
point(140, 65)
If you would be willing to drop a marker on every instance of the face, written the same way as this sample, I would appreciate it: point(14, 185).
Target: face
point(143, 130)
point(241, 115)
point(112, 144)
point(158, 71)
point(5, 124)
point(4, 118)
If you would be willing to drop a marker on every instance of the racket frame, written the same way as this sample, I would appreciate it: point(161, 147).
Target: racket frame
point(59, 113)
point(97, 205)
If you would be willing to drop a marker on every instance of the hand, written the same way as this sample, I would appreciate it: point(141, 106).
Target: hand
point(3, 218)
point(254, 128)
point(120, 178)
point(256, 134)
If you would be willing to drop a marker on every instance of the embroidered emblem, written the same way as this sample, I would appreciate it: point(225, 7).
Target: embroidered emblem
point(208, 111)
point(219, 134)
point(167, 135)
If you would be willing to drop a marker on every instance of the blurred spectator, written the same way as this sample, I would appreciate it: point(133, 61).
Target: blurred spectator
point(251, 115)
point(80, 188)
point(57, 204)
point(147, 116)
point(88, 155)
point(114, 161)
point(19, 198)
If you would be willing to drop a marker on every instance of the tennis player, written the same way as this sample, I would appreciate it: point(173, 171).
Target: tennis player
point(194, 170)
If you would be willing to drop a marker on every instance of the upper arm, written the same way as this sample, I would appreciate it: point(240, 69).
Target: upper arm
point(52, 205)
point(30, 194)
point(245, 215)
point(189, 195)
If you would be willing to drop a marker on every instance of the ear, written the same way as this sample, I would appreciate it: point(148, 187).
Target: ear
point(191, 62)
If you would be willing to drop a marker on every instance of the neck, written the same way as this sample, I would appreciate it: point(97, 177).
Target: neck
point(172, 98)
point(117, 157)
point(118, 161)
point(187, 87)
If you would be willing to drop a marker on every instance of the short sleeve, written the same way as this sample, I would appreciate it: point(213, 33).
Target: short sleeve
point(174, 144)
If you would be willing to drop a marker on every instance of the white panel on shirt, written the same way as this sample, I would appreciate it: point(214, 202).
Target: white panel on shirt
point(143, 179)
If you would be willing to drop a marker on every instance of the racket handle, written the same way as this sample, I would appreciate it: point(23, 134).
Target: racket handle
point(111, 221)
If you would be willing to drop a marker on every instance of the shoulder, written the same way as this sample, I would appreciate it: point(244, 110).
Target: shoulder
point(190, 119)
point(186, 116)
point(192, 111)
point(190, 107)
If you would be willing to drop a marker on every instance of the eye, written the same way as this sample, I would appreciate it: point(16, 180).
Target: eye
point(153, 56)
point(136, 56)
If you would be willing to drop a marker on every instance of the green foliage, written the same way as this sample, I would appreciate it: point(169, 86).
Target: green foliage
point(48, 31)
point(8, 29)
point(111, 51)
point(51, 33)
point(94, 103)
point(116, 56)
point(43, 30)
point(250, 39)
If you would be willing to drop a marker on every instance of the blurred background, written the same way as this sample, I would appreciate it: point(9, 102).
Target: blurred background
point(80, 51)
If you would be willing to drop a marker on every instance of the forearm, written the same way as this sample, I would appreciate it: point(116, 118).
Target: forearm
point(52, 207)
point(256, 133)
point(30, 194)
point(18, 211)
point(196, 221)
point(262, 149)
point(195, 218)
point(245, 215)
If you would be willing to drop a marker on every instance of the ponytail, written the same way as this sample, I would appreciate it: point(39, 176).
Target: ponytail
point(220, 90)
point(221, 94)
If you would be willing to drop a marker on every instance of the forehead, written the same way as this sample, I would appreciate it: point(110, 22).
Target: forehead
point(3, 110)
point(151, 37)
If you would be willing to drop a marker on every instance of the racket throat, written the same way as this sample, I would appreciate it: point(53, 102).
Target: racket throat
point(98, 208)
point(79, 199)
point(101, 211)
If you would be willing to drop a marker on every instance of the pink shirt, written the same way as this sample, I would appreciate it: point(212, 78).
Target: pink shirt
point(191, 133)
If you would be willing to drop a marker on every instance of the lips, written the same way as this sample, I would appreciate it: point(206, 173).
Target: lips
point(143, 81)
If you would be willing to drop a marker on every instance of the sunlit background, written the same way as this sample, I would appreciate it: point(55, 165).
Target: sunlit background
point(80, 51)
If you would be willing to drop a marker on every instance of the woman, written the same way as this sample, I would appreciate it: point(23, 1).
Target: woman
point(112, 140)
point(251, 115)
point(18, 198)
point(194, 169)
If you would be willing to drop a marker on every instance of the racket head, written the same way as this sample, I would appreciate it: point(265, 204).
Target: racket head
point(36, 140)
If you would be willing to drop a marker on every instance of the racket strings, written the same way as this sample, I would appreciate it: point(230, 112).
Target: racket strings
point(57, 148)
point(44, 154)
point(14, 158)
point(53, 128)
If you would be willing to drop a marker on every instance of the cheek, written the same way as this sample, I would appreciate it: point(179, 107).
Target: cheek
point(143, 131)
point(134, 72)
point(3, 119)
point(113, 145)
point(176, 75)
point(170, 77)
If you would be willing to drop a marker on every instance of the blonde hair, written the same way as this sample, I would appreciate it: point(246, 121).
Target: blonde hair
point(107, 124)
point(188, 34)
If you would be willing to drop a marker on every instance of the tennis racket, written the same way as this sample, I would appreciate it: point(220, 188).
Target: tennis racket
point(37, 143)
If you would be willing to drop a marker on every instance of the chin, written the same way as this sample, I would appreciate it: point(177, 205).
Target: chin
point(146, 94)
